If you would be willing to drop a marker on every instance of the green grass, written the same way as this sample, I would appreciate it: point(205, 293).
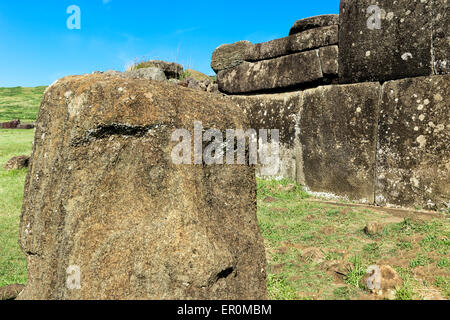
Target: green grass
point(443, 283)
point(20, 103)
point(12, 260)
point(292, 225)
point(406, 291)
point(279, 288)
point(356, 272)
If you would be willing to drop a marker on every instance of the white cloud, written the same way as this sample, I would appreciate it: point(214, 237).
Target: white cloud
point(106, 1)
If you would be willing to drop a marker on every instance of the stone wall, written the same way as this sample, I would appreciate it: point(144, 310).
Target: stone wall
point(308, 55)
point(361, 100)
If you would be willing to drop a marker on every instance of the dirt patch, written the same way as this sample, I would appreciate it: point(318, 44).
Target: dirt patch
point(270, 199)
point(328, 230)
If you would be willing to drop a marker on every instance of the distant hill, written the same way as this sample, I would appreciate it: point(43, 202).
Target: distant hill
point(20, 103)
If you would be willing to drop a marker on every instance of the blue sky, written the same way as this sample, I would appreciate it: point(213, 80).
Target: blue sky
point(36, 47)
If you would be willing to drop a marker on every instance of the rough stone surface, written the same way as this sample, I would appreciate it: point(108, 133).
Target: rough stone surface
point(373, 228)
point(307, 40)
point(229, 55)
point(192, 83)
point(329, 60)
point(11, 124)
point(338, 136)
point(171, 70)
point(441, 36)
point(383, 281)
point(314, 22)
point(276, 73)
point(276, 111)
point(314, 38)
point(17, 163)
point(10, 292)
point(400, 48)
point(272, 111)
point(103, 194)
point(413, 160)
point(267, 50)
point(150, 73)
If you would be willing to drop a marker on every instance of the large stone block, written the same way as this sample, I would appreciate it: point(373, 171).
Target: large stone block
point(229, 55)
point(413, 160)
point(338, 137)
point(384, 40)
point(329, 60)
point(276, 111)
point(283, 72)
point(441, 36)
point(104, 203)
point(314, 22)
point(307, 40)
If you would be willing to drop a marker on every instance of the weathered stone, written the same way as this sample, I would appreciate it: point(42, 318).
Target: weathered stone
point(276, 73)
point(146, 73)
point(275, 111)
point(272, 111)
point(315, 38)
point(229, 55)
point(398, 47)
point(329, 60)
point(441, 36)
point(338, 137)
point(104, 196)
point(383, 281)
point(314, 22)
point(171, 70)
point(17, 163)
point(267, 50)
point(307, 40)
point(11, 292)
point(193, 84)
point(413, 160)
point(204, 85)
point(11, 124)
point(213, 88)
point(26, 126)
point(373, 228)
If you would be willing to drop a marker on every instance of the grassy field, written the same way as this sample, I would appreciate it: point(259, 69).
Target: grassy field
point(12, 260)
point(23, 104)
point(20, 103)
point(315, 250)
point(318, 250)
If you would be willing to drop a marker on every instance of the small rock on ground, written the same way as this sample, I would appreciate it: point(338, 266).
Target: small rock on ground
point(373, 228)
point(11, 292)
point(17, 163)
